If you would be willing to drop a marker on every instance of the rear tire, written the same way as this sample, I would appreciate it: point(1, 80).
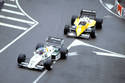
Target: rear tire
point(63, 53)
point(99, 23)
point(66, 29)
point(73, 19)
point(21, 58)
point(48, 64)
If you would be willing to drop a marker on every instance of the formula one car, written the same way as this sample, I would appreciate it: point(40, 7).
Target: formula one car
point(45, 55)
point(83, 26)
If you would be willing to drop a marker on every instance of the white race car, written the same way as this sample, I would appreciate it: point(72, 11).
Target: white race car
point(44, 55)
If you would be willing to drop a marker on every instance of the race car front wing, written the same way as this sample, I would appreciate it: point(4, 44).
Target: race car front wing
point(25, 65)
point(72, 33)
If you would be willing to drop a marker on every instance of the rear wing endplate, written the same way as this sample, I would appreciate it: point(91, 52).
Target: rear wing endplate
point(54, 41)
point(88, 13)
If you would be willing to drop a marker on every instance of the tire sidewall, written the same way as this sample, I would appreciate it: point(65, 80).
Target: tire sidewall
point(21, 58)
point(48, 64)
point(92, 34)
point(99, 23)
point(63, 53)
point(66, 29)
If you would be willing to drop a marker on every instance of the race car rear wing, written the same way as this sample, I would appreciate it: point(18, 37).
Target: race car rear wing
point(89, 13)
point(58, 42)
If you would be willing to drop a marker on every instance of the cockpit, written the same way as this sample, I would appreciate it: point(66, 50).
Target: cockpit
point(82, 23)
point(40, 51)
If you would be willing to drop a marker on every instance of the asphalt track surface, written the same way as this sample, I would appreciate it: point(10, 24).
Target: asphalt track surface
point(87, 66)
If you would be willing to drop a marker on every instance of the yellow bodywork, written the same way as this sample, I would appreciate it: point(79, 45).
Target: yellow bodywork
point(81, 28)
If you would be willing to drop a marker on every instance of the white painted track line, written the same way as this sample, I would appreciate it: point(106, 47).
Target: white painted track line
point(12, 26)
point(10, 5)
point(41, 75)
point(25, 12)
point(16, 19)
point(13, 12)
point(5, 47)
point(12, 0)
point(77, 42)
point(109, 54)
point(21, 35)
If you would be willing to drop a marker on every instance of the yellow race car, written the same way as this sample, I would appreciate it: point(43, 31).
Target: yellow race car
point(83, 26)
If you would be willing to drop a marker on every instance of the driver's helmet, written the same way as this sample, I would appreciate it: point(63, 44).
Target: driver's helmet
point(82, 23)
point(41, 51)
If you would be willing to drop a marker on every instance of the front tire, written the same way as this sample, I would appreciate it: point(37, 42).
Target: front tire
point(21, 58)
point(48, 64)
point(66, 29)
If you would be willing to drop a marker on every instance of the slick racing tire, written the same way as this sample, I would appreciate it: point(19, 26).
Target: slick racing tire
point(66, 29)
point(63, 53)
point(99, 23)
point(39, 45)
point(73, 19)
point(48, 64)
point(92, 33)
point(21, 58)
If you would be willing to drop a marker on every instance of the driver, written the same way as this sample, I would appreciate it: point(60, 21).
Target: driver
point(40, 51)
point(82, 23)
